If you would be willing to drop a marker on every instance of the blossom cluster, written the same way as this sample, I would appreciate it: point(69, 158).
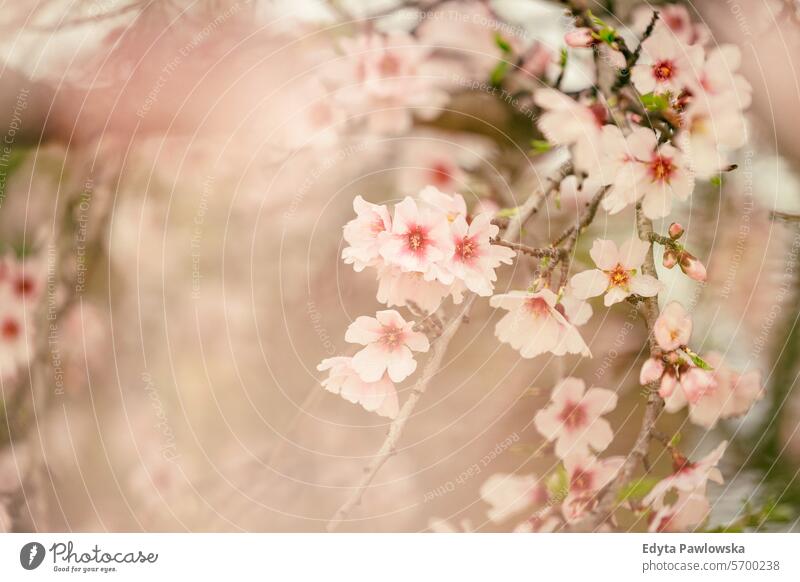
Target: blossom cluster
point(423, 250)
point(20, 288)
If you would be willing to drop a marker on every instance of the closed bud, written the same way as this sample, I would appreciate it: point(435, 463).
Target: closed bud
point(670, 259)
point(692, 267)
point(675, 231)
point(579, 38)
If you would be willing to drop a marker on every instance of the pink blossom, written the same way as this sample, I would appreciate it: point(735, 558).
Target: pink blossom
point(363, 234)
point(379, 397)
point(586, 475)
point(666, 65)
point(688, 477)
point(437, 160)
point(535, 325)
point(389, 341)
point(400, 288)
point(418, 241)
point(719, 76)
point(619, 273)
point(652, 371)
point(673, 328)
point(570, 123)
point(714, 126)
point(16, 335)
point(573, 419)
point(385, 79)
point(474, 258)
point(689, 510)
point(676, 18)
point(692, 267)
point(509, 494)
point(451, 205)
point(682, 383)
point(730, 395)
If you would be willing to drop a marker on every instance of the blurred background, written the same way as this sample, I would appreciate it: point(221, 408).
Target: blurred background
point(174, 176)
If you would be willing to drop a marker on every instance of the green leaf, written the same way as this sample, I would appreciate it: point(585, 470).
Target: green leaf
point(653, 102)
point(502, 43)
point(608, 35)
point(499, 73)
point(699, 362)
point(541, 146)
point(562, 59)
point(637, 489)
point(716, 180)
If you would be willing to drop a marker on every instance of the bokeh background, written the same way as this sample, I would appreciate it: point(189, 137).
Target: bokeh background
point(164, 179)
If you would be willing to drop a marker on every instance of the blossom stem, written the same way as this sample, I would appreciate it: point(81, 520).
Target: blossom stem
point(539, 252)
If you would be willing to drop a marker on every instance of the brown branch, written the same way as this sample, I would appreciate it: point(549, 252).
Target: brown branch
point(538, 252)
point(648, 308)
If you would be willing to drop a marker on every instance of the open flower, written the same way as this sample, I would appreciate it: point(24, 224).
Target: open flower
point(474, 258)
point(573, 418)
point(389, 340)
point(666, 65)
point(379, 397)
point(509, 494)
point(730, 394)
point(586, 475)
point(418, 241)
point(688, 476)
point(571, 123)
point(363, 234)
point(535, 325)
point(690, 509)
point(618, 275)
point(673, 327)
point(400, 288)
point(667, 175)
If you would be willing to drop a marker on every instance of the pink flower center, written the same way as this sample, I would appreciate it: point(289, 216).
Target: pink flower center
point(573, 415)
point(467, 249)
point(619, 276)
point(538, 307)
point(661, 169)
point(389, 65)
point(392, 337)
point(581, 480)
point(663, 71)
point(23, 286)
point(600, 113)
point(10, 330)
point(440, 174)
point(416, 239)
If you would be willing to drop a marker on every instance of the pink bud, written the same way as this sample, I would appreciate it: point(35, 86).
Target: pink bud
point(692, 267)
point(670, 259)
point(695, 383)
point(652, 370)
point(675, 231)
point(579, 38)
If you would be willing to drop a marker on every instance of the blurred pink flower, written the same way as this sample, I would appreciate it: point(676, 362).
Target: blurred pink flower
point(573, 419)
point(363, 233)
point(690, 509)
point(389, 341)
point(688, 476)
point(586, 476)
point(673, 327)
point(509, 494)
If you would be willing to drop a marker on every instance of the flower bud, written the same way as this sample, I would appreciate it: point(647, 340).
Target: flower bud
point(670, 259)
point(675, 231)
point(692, 267)
point(652, 370)
point(579, 38)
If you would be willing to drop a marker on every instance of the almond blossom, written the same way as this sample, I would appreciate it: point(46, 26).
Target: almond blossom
point(363, 234)
point(509, 494)
point(619, 273)
point(689, 510)
point(534, 324)
point(688, 476)
point(729, 395)
point(379, 397)
point(389, 341)
point(673, 327)
point(418, 241)
point(676, 18)
point(573, 418)
point(586, 476)
point(385, 79)
point(666, 65)
point(474, 258)
point(398, 288)
point(570, 123)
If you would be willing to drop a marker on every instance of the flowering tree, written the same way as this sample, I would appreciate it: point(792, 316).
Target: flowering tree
point(665, 110)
